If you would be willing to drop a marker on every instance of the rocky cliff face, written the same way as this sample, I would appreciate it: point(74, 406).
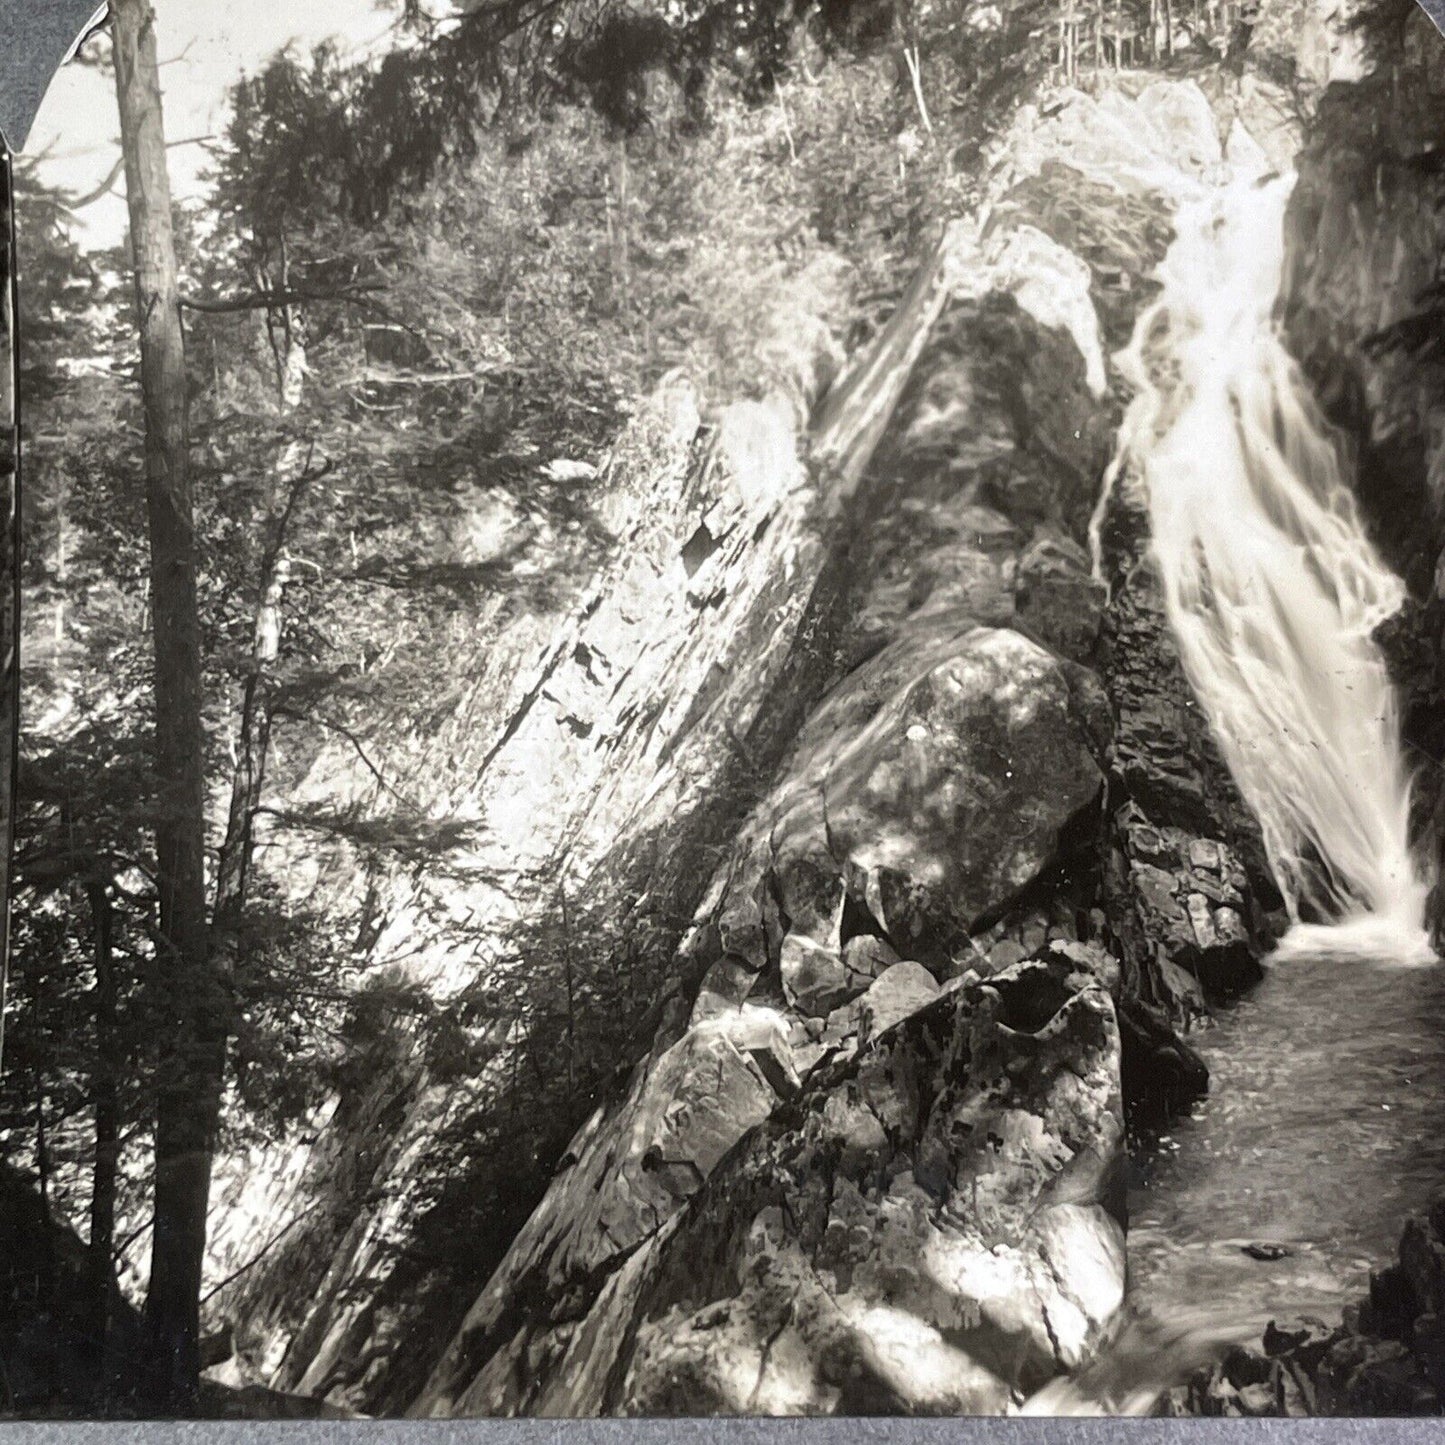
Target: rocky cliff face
point(855, 1169)
point(874, 733)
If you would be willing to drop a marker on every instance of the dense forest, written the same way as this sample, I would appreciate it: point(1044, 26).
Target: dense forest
point(314, 472)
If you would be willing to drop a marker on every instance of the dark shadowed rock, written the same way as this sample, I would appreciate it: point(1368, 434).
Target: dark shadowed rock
point(1188, 896)
point(1187, 899)
point(1386, 1356)
point(1058, 599)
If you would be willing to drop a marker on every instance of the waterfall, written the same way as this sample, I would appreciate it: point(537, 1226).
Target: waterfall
point(1272, 588)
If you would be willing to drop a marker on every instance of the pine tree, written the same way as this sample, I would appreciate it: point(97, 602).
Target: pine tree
point(191, 995)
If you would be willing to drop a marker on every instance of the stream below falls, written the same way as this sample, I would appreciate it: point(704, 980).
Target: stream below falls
point(1320, 1134)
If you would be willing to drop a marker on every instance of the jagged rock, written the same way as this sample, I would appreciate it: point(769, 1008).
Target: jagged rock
point(1058, 599)
point(1164, 759)
point(870, 1289)
point(1386, 1356)
point(815, 978)
point(950, 1234)
point(721, 1078)
point(1188, 894)
point(1162, 1075)
point(1422, 1263)
point(1179, 908)
point(1090, 958)
point(902, 990)
point(867, 955)
point(1391, 1305)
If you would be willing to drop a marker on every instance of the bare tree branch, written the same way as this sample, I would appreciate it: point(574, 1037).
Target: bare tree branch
point(271, 300)
point(108, 184)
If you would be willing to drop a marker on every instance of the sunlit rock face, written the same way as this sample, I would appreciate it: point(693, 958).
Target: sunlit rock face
point(850, 706)
point(622, 723)
point(930, 788)
point(929, 1235)
point(929, 1225)
point(935, 824)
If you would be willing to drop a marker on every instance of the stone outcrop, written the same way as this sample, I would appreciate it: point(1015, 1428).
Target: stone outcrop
point(853, 733)
point(898, 823)
point(931, 1224)
point(619, 754)
point(936, 827)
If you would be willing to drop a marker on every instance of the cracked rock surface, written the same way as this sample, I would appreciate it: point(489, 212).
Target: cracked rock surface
point(944, 856)
point(931, 1225)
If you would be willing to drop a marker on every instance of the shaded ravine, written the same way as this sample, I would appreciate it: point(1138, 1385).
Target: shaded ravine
point(1278, 1194)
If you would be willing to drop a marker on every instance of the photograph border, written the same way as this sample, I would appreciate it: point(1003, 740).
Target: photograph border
point(38, 37)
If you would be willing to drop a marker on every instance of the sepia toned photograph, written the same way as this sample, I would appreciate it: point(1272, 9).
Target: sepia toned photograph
point(726, 708)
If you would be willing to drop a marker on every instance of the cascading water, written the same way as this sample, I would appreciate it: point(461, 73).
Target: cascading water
point(1272, 588)
point(1322, 1135)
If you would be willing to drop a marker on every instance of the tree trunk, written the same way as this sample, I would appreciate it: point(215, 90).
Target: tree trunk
point(289, 477)
point(9, 567)
point(105, 1093)
point(189, 997)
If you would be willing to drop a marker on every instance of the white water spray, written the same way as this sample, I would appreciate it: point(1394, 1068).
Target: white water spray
point(1272, 588)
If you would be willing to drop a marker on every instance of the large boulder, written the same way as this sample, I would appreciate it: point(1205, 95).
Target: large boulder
point(902, 990)
point(932, 1229)
point(954, 796)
